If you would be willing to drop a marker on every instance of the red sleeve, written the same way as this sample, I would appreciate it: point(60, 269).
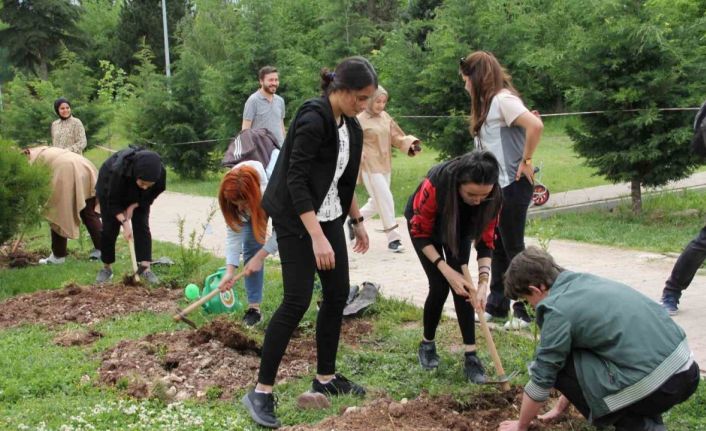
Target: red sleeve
point(488, 236)
point(424, 209)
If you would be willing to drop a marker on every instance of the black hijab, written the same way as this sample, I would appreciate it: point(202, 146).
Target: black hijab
point(147, 166)
point(58, 103)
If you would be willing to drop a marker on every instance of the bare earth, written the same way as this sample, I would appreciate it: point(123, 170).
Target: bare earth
point(401, 275)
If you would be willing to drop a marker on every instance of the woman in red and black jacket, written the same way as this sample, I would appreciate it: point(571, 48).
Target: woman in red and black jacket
point(457, 204)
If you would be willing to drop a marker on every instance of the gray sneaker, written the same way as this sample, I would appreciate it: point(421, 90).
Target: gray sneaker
point(95, 254)
point(104, 275)
point(150, 276)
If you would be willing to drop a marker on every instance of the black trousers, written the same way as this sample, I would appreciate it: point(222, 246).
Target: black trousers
point(438, 292)
point(675, 390)
point(298, 268)
point(509, 241)
point(90, 219)
point(140, 232)
point(686, 266)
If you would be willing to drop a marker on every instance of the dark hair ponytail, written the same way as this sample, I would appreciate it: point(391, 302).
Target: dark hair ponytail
point(352, 73)
point(479, 167)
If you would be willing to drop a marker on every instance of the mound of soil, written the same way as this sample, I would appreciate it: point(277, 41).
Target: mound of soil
point(84, 304)
point(77, 338)
point(19, 259)
point(215, 361)
point(485, 412)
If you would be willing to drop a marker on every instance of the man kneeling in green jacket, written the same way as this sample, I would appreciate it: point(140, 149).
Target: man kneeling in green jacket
point(612, 352)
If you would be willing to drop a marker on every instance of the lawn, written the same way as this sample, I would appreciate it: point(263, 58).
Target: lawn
point(49, 387)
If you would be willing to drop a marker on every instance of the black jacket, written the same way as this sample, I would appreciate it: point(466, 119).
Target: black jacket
point(116, 187)
point(306, 166)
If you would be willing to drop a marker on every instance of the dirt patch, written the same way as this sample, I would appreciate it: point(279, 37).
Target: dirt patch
point(485, 412)
point(77, 337)
point(213, 362)
point(19, 259)
point(85, 304)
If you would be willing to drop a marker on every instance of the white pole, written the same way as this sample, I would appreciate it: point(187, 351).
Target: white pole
point(166, 38)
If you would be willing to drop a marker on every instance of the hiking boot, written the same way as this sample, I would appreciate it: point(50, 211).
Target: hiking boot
point(52, 260)
point(474, 370)
point(515, 324)
point(670, 304)
point(338, 386)
point(252, 317)
point(428, 358)
point(95, 254)
point(261, 408)
point(148, 275)
point(395, 246)
point(104, 275)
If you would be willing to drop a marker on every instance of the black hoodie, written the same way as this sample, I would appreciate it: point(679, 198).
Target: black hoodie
point(306, 166)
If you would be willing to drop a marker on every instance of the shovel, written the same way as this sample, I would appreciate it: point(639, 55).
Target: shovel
point(502, 380)
point(131, 246)
point(181, 314)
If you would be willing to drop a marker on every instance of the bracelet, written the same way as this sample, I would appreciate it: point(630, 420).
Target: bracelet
point(483, 276)
point(438, 259)
point(355, 221)
point(483, 266)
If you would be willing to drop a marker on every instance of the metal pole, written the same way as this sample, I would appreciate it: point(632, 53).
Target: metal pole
point(166, 38)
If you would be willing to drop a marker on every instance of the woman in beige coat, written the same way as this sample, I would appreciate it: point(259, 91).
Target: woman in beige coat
point(380, 134)
point(67, 132)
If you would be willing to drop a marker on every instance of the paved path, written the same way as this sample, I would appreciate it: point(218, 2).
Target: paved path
point(401, 275)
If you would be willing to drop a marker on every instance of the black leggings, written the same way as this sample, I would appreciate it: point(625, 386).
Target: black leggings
point(675, 390)
point(298, 268)
point(140, 232)
point(438, 292)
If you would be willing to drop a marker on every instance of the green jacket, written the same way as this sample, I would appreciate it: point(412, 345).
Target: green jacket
point(624, 345)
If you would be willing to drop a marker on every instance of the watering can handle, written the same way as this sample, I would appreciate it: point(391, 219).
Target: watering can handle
point(204, 299)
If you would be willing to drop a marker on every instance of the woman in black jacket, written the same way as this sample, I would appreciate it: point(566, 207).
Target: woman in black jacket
point(309, 196)
point(455, 205)
point(128, 182)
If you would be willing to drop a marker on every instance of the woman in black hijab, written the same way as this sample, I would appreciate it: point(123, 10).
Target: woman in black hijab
point(128, 182)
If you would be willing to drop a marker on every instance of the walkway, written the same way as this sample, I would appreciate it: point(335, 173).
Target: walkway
point(402, 277)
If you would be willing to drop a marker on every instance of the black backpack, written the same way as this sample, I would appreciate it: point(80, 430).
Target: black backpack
point(698, 142)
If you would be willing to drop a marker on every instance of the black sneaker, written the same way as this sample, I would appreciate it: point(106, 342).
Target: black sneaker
point(252, 317)
point(428, 358)
point(474, 370)
point(395, 246)
point(338, 386)
point(670, 304)
point(261, 408)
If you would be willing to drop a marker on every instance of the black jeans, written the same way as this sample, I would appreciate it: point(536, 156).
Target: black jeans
point(675, 390)
point(509, 241)
point(688, 263)
point(438, 292)
point(298, 268)
point(140, 232)
point(90, 219)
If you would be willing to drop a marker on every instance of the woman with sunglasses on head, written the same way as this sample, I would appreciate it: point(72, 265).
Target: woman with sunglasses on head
point(309, 196)
point(456, 205)
point(501, 124)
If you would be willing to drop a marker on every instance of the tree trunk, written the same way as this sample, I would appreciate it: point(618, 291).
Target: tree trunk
point(636, 195)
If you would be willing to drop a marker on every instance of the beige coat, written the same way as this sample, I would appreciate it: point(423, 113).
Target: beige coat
point(380, 134)
point(73, 182)
point(69, 134)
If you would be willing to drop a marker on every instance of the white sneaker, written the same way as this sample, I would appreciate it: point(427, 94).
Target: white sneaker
point(53, 260)
point(515, 324)
point(487, 315)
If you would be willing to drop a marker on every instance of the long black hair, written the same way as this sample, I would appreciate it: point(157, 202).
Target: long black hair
point(352, 73)
point(478, 167)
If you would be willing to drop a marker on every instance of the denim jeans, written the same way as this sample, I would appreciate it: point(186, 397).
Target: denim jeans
point(255, 282)
point(509, 241)
point(688, 263)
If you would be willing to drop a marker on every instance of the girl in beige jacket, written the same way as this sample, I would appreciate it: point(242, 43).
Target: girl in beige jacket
point(67, 132)
point(380, 134)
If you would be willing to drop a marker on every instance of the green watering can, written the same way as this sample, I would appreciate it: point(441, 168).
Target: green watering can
point(225, 302)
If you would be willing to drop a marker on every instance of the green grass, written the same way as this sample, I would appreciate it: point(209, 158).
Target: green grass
point(665, 224)
point(47, 387)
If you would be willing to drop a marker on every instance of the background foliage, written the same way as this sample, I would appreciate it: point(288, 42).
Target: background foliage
point(107, 57)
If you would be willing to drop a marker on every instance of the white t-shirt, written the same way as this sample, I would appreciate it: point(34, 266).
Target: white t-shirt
point(498, 136)
point(331, 207)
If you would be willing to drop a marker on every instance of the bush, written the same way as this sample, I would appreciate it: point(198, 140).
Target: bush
point(24, 189)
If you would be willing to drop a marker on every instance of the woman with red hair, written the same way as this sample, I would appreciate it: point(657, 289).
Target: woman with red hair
point(239, 198)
